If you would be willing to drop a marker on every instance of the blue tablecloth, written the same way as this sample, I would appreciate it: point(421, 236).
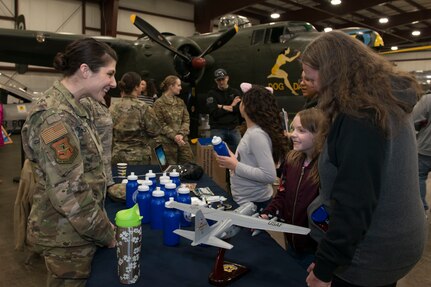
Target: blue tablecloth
point(189, 266)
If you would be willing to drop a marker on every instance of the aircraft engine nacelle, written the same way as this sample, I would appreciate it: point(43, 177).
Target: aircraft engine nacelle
point(186, 71)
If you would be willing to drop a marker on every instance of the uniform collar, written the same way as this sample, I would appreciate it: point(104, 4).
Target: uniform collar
point(78, 108)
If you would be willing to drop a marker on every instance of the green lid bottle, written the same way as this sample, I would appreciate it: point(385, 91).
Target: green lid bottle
point(128, 217)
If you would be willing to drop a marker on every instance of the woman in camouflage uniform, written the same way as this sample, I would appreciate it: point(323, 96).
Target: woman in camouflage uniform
point(135, 124)
point(67, 219)
point(175, 122)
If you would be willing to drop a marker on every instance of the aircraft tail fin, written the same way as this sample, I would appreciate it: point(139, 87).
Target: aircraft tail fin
point(202, 227)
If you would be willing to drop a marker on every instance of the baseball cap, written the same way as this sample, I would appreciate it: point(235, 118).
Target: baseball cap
point(220, 74)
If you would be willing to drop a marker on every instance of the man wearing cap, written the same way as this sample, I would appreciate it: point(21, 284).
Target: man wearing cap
point(223, 107)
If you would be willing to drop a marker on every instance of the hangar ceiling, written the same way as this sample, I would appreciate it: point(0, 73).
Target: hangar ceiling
point(404, 16)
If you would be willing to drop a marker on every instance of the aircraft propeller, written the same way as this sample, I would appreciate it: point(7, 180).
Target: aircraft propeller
point(196, 63)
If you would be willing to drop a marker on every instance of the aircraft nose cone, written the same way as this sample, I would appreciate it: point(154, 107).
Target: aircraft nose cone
point(198, 62)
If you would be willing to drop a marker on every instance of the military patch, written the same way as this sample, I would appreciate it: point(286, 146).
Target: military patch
point(65, 152)
point(210, 100)
point(54, 132)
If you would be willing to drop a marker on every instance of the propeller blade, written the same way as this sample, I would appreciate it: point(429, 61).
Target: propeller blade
point(155, 35)
point(223, 39)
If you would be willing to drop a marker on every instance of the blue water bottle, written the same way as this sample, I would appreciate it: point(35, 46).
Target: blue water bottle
point(175, 177)
point(219, 146)
point(163, 182)
point(151, 176)
point(184, 197)
point(149, 183)
point(163, 179)
point(157, 209)
point(170, 190)
point(131, 189)
point(171, 222)
point(144, 202)
point(321, 217)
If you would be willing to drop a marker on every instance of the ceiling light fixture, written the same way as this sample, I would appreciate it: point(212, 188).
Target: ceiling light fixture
point(394, 48)
point(335, 2)
point(275, 15)
point(383, 20)
point(327, 29)
point(416, 33)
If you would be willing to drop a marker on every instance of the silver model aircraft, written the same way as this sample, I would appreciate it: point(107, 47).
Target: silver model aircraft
point(227, 225)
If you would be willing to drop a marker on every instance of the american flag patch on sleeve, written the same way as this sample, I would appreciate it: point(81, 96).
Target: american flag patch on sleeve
point(54, 132)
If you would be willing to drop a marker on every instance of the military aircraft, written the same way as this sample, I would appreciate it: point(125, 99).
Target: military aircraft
point(228, 224)
point(266, 54)
point(263, 54)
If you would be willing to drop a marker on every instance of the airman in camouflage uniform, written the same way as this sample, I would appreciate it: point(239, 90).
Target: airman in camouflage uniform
point(67, 219)
point(60, 140)
point(135, 129)
point(175, 121)
point(100, 116)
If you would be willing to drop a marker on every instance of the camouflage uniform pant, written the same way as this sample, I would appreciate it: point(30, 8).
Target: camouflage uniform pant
point(178, 154)
point(67, 266)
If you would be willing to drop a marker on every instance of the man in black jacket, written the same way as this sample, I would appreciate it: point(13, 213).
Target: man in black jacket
point(223, 106)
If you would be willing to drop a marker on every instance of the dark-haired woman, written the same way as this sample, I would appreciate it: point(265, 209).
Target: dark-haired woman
point(67, 219)
point(175, 122)
point(263, 146)
point(135, 124)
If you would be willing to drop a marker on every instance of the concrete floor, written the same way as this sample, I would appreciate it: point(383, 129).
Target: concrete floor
point(14, 273)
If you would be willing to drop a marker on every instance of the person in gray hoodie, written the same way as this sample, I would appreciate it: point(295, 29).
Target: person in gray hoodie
point(422, 122)
point(375, 230)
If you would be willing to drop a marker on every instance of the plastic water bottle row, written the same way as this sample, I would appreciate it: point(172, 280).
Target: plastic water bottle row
point(152, 196)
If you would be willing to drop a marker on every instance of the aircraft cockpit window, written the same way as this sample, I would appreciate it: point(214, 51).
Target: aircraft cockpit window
point(257, 36)
point(274, 35)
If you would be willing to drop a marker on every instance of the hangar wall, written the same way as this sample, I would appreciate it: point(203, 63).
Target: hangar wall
point(66, 16)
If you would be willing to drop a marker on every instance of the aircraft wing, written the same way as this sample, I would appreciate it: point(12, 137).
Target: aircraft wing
point(214, 241)
point(185, 233)
point(241, 220)
point(39, 47)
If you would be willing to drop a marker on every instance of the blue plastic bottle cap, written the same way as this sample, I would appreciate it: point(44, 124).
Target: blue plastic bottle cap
point(143, 188)
point(158, 192)
point(132, 176)
point(319, 215)
point(183, 189)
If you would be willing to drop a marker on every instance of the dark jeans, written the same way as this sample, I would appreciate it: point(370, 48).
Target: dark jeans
point(337, 282)
point(230, 136)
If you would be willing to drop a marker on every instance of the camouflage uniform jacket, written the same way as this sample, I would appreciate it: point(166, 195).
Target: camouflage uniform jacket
point(135, 127)
point(100, 116)
point(173, 116)
point(61, 142)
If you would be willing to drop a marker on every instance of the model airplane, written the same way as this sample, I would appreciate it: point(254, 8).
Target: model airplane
point(228, 224)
